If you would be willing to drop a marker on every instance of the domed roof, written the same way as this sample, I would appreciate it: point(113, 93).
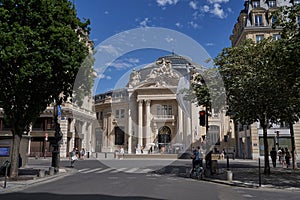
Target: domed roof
point(175, 59)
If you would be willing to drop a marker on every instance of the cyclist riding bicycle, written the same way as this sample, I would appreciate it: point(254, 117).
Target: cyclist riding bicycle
point(197, 157)
point(197, 170)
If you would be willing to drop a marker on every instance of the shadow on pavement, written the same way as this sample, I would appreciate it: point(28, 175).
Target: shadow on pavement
point(48, 196)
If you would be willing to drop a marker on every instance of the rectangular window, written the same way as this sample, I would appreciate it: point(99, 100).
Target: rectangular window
point(158, 110)
point(170, 110)
point(276, 36)
point(164, 110)
point(122, 113)
point(258, 20)
point(272, 3)
point(117, 115)
point(49, 124)
point(256, 4)
point(259, 37)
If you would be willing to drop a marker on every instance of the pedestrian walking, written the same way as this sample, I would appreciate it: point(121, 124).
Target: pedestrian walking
point(273, 155)
point(82, 153)
point(287, 157)
point(73, 157)
point(122, 153)
point(150, 150)
point(279, 153)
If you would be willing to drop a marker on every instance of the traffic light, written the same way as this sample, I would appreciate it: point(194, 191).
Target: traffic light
point(202, 120)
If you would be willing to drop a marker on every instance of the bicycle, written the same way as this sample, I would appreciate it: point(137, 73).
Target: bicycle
point(197, 172)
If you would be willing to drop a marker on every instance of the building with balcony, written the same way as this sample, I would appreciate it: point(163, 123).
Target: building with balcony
point(77, 126)
point(147, 115)
point(255, 22)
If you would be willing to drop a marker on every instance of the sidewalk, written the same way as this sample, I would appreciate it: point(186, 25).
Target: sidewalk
point(29, 175)
point(248, 176)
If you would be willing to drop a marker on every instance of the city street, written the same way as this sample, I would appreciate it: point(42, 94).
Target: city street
point(134, 179)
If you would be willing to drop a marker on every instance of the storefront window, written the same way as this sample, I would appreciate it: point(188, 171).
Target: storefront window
point(282, 142)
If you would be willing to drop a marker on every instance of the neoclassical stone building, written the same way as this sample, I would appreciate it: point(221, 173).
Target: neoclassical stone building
point(148, 113)
point(255, 22)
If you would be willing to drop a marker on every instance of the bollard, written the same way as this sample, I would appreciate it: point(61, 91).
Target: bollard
point(51, 171)
point(229, 176)
point(41, 173)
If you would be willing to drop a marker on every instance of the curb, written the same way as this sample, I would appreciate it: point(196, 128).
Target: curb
point(14, 186)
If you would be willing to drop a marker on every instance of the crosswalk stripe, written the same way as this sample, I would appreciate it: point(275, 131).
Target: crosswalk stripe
point(104, 170)
point(115, 170)
point(118, 170)
point(131, 170)
point(81, 170)
point(92, 170)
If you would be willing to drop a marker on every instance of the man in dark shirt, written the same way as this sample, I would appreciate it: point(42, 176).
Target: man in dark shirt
point(273, 154)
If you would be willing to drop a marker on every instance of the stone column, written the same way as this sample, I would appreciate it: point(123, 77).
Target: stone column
point(85, 134)
point(180, 125)
point(72, 130)
point(140, 125)
point(110, 137)
point(64, 129)
point(148, 120)
point(129, 131)
point(89, 137)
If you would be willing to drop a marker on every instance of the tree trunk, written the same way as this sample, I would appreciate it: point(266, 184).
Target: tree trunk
point(266, 147)
point(294, 164)
point(15, 155)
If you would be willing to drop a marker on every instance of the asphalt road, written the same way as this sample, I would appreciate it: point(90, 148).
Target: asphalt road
point(134, 179)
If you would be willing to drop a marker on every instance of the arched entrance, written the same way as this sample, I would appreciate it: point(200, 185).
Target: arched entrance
point(164, 139)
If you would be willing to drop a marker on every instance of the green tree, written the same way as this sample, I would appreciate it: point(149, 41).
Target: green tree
point(251, 88)
point(42, 46)
point(288, 70)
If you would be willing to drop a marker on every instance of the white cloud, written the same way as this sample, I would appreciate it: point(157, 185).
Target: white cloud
point(145, 22)
point(205, 8)
point(178, 25)
point(109, 49)
point(193, 5)
point(193, 24)
point(209, 44)
point(124, 63)
point(103, 76)
point(218, 1)
point(166, 2)
point(218, 11)
point(169, 39)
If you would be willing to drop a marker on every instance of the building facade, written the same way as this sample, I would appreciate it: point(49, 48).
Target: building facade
point(255, 22)
point(77, 126)
point(148, 114)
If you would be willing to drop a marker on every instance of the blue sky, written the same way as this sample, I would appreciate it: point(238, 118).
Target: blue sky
point(208, 22)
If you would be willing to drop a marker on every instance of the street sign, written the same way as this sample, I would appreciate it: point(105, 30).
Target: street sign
point(58, 110)
point(215, 156)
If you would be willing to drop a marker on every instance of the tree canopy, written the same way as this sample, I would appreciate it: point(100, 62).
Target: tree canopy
point(42, 46)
